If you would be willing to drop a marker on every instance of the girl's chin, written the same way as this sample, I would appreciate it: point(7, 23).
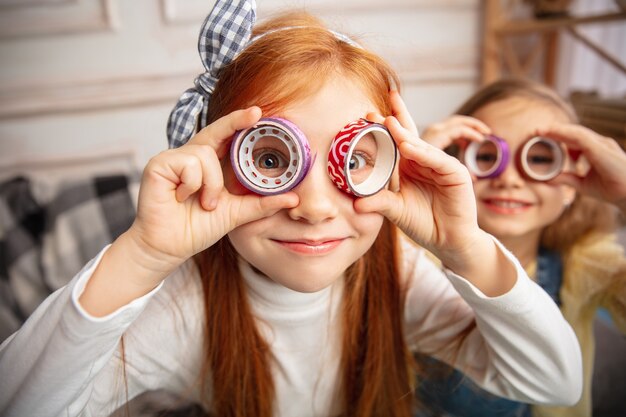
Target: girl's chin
point(303, 285)
point(308, 281)
point(307, 288)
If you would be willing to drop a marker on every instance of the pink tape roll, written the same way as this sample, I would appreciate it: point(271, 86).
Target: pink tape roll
point(287, 142)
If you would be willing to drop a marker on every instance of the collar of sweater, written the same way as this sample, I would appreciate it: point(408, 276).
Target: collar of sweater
point(277, 303)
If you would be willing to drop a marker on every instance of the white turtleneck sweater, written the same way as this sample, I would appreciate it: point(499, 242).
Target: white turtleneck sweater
point(64, 362)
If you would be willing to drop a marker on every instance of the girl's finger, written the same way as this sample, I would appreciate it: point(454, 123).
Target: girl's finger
point(218, 134)
point(399, 133)
point(401, 112)
point(252, 207)
point(204, 168)
point(567, 178)
point(212, 180)
point(601, 151)
point(385, 202)
point(375, 117)
point(190, 177)
point(466, 132)
point(174, 171)
point(416, 172)
point(433, 164)
point(419, 151)
point(472, 122)
point(573, 136)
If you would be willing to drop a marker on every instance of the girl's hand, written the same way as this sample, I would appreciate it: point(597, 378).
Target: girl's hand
point(183, 209)
point(433, 200)
point(453, 129)
point(606, 177)
point(434, 204)
point(183, 205)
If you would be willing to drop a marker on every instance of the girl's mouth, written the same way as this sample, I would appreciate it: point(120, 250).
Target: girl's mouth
point(506, 206)
point(306, 247)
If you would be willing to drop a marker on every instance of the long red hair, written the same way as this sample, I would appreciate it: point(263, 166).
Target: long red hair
point(274, 71)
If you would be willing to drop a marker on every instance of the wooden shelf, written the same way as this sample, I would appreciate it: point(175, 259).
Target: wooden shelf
point(606, 116)
point(500, 58)
point(512, 27)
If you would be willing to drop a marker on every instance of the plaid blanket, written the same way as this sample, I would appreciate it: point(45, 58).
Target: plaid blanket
point(47, 234)
point(46, 237)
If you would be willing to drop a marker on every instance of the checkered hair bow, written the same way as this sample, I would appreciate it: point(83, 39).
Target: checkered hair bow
point(224, 34)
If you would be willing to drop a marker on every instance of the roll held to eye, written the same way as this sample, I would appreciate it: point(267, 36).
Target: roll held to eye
point(271, 157)
point(538, 159)
point(274, 156)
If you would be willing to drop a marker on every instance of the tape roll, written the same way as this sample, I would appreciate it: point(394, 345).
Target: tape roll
point(487, 159)
point(362, 158)
point(271, 157)
point(541, 159)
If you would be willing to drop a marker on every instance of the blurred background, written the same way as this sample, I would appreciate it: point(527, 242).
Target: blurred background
point(86, 87)
point(88, 84)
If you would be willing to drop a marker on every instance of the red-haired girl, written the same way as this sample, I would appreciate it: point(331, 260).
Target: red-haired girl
point(303, 302)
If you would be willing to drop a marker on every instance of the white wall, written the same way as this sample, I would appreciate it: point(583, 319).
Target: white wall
point(98, 77)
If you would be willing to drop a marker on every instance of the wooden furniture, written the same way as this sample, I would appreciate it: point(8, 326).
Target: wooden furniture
point(606, 116)
point(500, 58)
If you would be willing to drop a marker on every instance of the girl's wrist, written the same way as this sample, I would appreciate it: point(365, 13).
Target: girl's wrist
point(147, 259)
point(461, 259)
point(125, 273)
point(482, 263)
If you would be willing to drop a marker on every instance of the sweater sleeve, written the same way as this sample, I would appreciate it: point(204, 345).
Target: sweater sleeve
point(517, 345)
point(50, 364)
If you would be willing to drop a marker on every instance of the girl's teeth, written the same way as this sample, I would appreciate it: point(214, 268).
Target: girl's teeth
point(508, 204)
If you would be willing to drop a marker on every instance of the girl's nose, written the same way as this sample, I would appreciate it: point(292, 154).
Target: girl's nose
point(317, 195)
point(509, 178)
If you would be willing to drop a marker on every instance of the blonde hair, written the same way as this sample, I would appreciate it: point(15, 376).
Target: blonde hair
point(274, 71)
point(585, 215)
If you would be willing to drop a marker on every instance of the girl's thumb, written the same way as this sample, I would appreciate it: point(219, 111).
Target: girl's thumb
point(567, 178)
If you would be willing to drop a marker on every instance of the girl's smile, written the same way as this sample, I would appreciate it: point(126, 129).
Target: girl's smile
point(311, 247)
point(506, 205)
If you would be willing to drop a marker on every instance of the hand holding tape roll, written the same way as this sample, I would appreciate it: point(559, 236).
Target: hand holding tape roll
point(435, 204)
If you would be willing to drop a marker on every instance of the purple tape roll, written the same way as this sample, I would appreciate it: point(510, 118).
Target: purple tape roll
point(271, 140)
point(492, 147)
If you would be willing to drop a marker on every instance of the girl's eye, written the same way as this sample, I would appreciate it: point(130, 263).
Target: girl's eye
point(486, 157)
point(540, 154)
point(269, 160)
point(541, 159)
point(357, 162)
point(486, 160)
point(361, 166)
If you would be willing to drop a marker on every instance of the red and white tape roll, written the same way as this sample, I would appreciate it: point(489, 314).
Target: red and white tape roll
point(342, 151)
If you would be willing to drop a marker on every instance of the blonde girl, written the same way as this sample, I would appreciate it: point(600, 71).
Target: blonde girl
point(561, 230)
